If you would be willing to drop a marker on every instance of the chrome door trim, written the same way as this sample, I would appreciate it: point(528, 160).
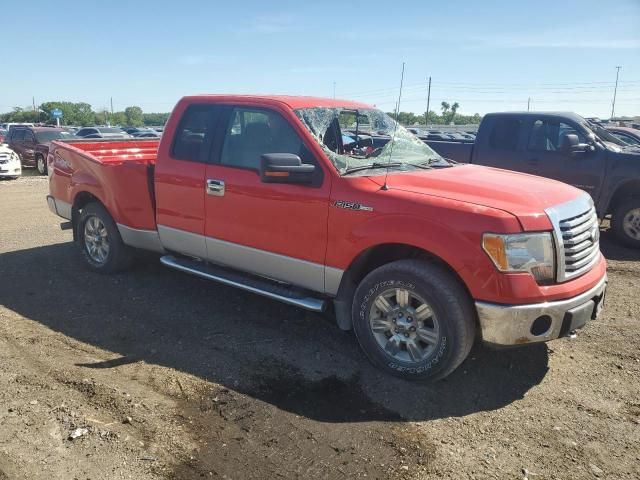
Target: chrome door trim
point(215, 187)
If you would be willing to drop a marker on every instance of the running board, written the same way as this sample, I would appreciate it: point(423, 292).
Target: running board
point(264, 287)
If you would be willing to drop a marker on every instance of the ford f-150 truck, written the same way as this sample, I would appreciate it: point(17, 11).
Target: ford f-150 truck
point(565, 147)
point(417, 255)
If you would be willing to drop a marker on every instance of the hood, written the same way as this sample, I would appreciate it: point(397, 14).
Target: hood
point(524, 196)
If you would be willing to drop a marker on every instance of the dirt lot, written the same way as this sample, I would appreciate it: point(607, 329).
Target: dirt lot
point(162, 375)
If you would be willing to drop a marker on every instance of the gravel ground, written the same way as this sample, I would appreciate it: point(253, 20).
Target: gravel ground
point(153, 374)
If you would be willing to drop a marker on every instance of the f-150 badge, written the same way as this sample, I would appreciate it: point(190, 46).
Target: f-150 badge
point(352, 206)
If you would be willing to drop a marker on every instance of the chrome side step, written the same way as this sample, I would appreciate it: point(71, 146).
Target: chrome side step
point(251, 284)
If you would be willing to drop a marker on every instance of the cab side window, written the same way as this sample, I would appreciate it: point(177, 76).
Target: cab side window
point(28, 136)
point(252, 132)
point(17, 134)
point(195, 133)
point(548, 135)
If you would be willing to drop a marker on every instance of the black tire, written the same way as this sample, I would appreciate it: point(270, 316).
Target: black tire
point(119, 256)
point(449, 302)
point(623, 234)
point(41, 165)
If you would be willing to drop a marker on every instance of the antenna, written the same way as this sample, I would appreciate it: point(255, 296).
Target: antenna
point(395, 127)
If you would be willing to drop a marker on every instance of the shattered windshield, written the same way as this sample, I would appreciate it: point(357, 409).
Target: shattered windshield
point(356, 140)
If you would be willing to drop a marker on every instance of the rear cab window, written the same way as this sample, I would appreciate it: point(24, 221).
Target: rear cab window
point(195, 133)
point(505, 133)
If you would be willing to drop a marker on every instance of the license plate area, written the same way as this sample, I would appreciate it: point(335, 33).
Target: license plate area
point(578, 317)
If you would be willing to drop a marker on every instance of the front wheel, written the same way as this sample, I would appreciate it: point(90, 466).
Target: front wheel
point(99, 241)
point(41, 165)
point(414, 320)
point(626, 222)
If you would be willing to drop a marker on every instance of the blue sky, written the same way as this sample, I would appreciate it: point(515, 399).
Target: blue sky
point(487, 55)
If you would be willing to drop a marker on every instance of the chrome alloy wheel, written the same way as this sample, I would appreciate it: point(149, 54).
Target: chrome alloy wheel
point(404, 325)
point(96, 240)
point(631, 223)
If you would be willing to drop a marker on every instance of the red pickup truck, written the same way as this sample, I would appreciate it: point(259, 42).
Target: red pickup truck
point(418, 255)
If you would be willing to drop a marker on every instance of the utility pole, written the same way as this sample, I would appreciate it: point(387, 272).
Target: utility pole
point(112, 106)
point(528, 103)
point(426, 114)
point(615, 90)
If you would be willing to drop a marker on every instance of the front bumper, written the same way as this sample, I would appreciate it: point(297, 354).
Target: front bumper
point(11, 169)
point(539, 322)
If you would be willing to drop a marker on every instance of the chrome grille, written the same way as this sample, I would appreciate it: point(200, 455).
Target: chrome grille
point(581, 242)
point(577, 236)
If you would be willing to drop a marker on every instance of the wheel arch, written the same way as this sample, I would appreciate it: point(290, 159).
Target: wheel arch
point(80, 200)
point(373, 257)
point(630, 188)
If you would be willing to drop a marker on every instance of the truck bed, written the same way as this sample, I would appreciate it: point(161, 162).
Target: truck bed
point(119, 173)
point(114, 151)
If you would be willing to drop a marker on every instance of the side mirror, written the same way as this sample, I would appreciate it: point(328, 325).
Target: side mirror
point(572, 146)
point(285, 168)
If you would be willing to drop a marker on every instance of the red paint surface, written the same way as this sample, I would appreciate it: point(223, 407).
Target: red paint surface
point(442, 211)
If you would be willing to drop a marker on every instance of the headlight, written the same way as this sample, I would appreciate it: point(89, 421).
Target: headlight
point(522, 252)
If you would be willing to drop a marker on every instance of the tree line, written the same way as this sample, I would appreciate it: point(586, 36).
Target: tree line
point(81, 114)
point(449, 116)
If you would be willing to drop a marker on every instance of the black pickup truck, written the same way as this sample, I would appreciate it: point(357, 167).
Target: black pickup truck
point(565, 147)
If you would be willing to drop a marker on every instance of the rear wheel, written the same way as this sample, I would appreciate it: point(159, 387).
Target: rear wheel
point(414, 320)
point(41, 165)
point(626, 222)
point(100, 242)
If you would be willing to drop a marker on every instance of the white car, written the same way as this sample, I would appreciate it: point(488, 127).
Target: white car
point(9, 163)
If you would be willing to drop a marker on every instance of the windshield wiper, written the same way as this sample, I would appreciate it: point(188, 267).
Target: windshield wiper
point(433, 162)
point(371, 166)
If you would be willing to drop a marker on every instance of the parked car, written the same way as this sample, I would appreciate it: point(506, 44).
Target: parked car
point(3, 134)
point(8, 126)
point(9, 163)
point(565, 147)
point(630, 136)
point(32, 144)
point(101, 132)
point(146, 134)
point(414, 252)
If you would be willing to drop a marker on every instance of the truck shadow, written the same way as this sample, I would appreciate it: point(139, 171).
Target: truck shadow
point(612, 249)
point(295, 360)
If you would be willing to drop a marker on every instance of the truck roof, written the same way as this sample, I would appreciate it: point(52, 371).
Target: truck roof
point(288, 100)
point(572, 115)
